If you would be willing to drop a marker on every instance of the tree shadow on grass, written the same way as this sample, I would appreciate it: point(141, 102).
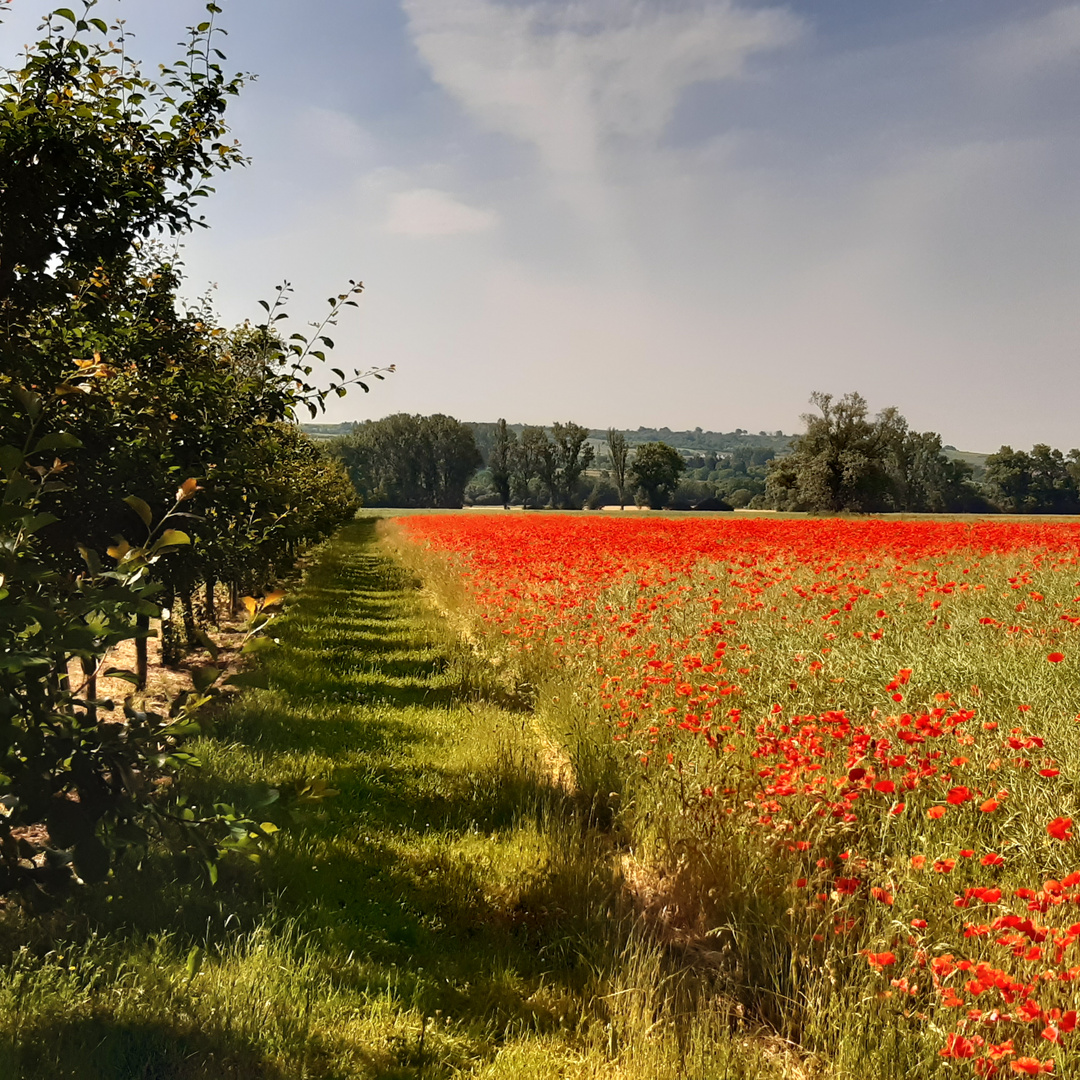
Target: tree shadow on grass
point(380, 881)
point(100, 1048)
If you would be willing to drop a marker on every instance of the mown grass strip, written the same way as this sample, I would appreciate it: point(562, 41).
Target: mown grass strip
point(433, 905)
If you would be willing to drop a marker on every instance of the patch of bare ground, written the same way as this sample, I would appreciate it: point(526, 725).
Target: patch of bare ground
point(163, 684)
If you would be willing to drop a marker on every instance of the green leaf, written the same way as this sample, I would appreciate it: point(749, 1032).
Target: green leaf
point(92, 560)
point(11, 459)
point(208, 643)
point(205, 677)
point(39, 521)
point(261, 796)
point(123, 676)
point(172, 538)
point(65, 13)
point(57, 440)
point(249, 680)
point(140, 508)
point(195, 957)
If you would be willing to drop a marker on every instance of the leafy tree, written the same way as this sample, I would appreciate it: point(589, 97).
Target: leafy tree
point(840, 463)
point(1041, 482)
point(1008, 480)
point(848, 461)
point(533, 459)
point(572, 455)
point(111, 399)
point(410, 460)
point(94, 156)
point(501, 460)
point(655, 470)
point(619, 451)
point(925, 479)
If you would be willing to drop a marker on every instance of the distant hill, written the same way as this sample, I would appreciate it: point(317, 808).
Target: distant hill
point(696, 441)
point(976, 461)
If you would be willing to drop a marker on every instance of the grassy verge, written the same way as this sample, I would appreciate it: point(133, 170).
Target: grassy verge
point(433, 905)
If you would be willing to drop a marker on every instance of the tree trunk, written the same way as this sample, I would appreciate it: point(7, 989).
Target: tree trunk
point(142, 624)
point(187, 614)
point(209, 602)
point(90, 671)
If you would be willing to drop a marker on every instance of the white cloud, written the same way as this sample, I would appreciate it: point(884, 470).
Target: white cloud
point(579, 79)
point(429, 212)
point(1030, 46)
point(334, 134)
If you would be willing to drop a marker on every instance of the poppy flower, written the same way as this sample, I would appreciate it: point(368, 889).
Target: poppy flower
point(880, 960)
point(1029, 1066)
point(1060, 828)
point(935, 813)
point(958, 796)
point(1055, 657)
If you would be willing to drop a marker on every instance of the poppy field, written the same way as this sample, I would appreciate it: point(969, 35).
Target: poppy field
point(849, 749)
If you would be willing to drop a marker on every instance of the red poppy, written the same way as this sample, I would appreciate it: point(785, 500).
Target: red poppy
point(1056, 657)
point(1060, 828)
point(1030, 1066)
point(880, 960)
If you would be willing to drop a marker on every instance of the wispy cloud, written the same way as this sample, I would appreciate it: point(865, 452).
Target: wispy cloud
point(429, 212)
point(1031, 46)
point(579, 80)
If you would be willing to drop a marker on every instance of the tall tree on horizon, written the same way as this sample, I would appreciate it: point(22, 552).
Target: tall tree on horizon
point(501, 460)
point(619, 451)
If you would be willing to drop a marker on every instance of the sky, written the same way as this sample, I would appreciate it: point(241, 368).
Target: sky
point(681, 213)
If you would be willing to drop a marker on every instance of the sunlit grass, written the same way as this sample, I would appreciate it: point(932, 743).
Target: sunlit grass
point(434, 905)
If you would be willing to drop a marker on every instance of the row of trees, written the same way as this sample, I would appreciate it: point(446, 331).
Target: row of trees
point(849, 461)
point(846, 461)
point(414, 461)
point(147, 454)
point(1045, 481)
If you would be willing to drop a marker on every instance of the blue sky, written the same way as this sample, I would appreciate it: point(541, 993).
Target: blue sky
point(681, 213)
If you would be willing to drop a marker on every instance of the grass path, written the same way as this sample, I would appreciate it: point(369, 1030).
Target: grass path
point(432, 906)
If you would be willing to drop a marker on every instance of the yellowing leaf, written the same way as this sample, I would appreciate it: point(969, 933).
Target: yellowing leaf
point(268, 827)
point(250, 603)
point(187, 489)
point(173, 538)
point(119, 549)
point(272, 598)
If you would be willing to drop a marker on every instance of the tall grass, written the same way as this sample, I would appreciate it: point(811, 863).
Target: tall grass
point(434, 905)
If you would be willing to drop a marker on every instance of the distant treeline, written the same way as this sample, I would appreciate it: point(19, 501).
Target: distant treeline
point(848, 461)
point(845, 461)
